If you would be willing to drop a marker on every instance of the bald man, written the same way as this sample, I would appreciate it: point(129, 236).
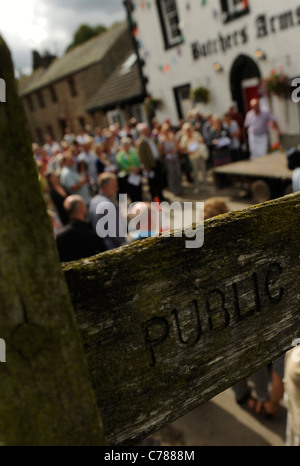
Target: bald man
point(78, 239)
point(257, 123)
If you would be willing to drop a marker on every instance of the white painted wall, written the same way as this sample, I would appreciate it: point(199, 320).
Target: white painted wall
point(199, 23)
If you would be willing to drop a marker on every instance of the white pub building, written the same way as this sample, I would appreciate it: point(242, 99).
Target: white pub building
point(224, 46)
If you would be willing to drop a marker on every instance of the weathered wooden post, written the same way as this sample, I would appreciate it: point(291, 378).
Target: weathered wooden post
point(45, 392)
point(166, 328)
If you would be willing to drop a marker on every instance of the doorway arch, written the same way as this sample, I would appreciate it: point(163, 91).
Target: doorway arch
point(243, 70)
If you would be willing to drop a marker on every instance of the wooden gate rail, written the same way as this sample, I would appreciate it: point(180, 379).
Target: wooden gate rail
point(166, 328)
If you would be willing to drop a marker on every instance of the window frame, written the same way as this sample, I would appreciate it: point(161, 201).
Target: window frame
point(116, 116)
point(30, 103)
point(49, 130)
point(53, 94)
point(169, 42)
point(228, 13)
point(40, 98)
point(72, 86)
point(39, 134)
point(178, 101)
point(82, 122)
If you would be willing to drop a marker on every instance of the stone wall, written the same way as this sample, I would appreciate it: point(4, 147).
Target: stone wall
point(70, 107)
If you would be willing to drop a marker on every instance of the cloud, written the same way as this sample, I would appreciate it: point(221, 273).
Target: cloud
point(64, 16)
point(108, 8)
point(67, 15)
point(50, 24)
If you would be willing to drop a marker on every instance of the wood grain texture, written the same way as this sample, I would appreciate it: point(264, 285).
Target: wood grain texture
point(166, 328)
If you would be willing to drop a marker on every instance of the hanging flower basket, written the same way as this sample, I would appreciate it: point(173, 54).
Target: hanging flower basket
point(278, 84)
point(200, 95)
point(151, 104)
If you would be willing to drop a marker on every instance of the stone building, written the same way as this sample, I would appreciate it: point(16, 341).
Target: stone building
point(225, 46)
point(57, 96)
point(122, 95)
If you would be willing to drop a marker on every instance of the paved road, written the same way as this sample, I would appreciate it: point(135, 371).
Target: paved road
point(221, 422)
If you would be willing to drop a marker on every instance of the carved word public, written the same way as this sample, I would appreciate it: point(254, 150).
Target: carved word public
point(216, 314)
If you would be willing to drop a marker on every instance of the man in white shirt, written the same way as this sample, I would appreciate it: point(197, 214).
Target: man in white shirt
point(257, 123)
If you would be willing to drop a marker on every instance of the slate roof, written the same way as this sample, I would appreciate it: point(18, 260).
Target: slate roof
point(124, 84)
point(83, 56)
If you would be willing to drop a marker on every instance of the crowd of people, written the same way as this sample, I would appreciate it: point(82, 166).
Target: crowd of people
point(160, 154)
point(125, 160)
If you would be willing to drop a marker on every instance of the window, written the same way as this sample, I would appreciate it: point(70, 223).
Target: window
point(62, 123)
point(72, 87)
point(39, 135)
point(116, 116)
point(137, 112)
point(50, 131)
point(30, 103)
point(183, 101)
point(233, 9)
point(81, 122)
point(53, 94)
point(169, 19)
point(41, 99)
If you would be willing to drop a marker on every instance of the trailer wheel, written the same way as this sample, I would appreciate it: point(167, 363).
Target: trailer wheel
point(260, 191)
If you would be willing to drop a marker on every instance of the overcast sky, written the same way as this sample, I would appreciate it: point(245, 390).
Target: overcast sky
point(50, 24)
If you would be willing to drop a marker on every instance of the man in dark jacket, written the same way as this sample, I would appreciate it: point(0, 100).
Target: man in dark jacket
point(78, 239)
point(150, 161)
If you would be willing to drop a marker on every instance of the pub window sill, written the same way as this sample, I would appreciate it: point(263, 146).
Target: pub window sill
point(176, 44)
point(233, 16)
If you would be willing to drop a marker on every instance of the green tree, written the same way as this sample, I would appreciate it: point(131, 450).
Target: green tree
point(44, 60)
point(84, 33)
point(36, 60)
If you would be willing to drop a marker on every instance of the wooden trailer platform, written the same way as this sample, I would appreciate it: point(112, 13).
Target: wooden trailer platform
point(266, 177)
